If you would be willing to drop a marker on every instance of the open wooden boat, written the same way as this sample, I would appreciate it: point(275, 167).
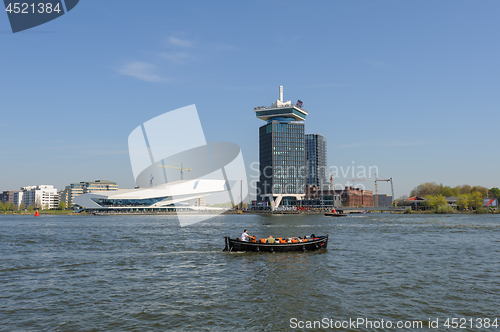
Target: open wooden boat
point(331, 214)
point(315, 243)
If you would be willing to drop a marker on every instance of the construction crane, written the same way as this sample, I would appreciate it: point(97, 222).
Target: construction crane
point(376, 186)
point(392, 190)
point(182, 169)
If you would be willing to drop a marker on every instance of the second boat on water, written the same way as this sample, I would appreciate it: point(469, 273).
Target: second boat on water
point(331, 214)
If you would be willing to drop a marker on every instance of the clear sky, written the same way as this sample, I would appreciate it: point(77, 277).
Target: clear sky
point(412, 87)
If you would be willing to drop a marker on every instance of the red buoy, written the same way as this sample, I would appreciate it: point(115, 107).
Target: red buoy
point(37, 214)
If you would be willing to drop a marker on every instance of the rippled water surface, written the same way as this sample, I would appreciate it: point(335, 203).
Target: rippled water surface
point(146, 273)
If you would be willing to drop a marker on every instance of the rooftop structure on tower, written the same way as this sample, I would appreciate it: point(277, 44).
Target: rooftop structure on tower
point(281, 109)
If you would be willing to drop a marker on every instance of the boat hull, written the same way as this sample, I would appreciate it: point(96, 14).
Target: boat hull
point(311, 245)
point(335, 214)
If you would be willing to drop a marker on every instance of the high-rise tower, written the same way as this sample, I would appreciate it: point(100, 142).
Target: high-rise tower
point(281, 151)
point(316, 161)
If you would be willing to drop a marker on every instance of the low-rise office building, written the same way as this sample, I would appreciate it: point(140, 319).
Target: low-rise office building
point(18, 198)
point(8, 196)
point(76, 189)
point(40, 197)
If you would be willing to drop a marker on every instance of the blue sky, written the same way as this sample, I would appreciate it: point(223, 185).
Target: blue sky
point(409, 87)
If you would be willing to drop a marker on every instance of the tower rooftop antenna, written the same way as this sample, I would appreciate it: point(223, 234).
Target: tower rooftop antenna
point(281, 109)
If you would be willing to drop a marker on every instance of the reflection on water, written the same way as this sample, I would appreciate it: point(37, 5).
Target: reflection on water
point(148, 273)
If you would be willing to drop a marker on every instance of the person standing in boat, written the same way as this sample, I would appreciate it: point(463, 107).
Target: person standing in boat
point(244, 236)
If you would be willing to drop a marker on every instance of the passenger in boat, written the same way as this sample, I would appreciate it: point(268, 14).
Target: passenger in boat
point(270, 239)
point(244, 236)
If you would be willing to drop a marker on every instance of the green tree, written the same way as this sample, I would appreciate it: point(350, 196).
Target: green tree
point(21, 207)
point(465, 189)
point(463, 201)
point(6, 207)
point(476, 200)
point(494, 193)
point(435, 201)
point(445, 209)
point(480, 189)
point(29, 208)
point(447, 191)
point(428, 188)
point(62, 205)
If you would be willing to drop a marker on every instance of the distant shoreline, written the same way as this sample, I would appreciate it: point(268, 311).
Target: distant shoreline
point(231, 212)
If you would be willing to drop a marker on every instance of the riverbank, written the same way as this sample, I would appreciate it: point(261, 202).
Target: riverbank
point(237, 212)
point(49, 212)
point(483, 211)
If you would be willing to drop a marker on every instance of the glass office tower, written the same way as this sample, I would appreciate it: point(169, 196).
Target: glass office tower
point(282, 157)
point(316, 159)
point(281, 151)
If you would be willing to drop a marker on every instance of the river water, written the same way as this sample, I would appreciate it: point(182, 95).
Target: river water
point(146, 273)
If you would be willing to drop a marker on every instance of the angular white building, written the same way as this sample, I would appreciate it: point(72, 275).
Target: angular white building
point(164, 196)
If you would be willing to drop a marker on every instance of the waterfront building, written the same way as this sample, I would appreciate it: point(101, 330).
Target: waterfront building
point(18, 198)
point(40, 197)
point(415, 202)
point(384, 200)
point(281, 152)
point(8, 196)
point(316, 161)
point(75, 189)
point(70, 192)
point(356, 197)
point(322, 198)
point(173, 196)
point(201, 201)
point(98, 185)
point(64, 197)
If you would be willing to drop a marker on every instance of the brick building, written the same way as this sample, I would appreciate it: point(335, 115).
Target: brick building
point(353, 197)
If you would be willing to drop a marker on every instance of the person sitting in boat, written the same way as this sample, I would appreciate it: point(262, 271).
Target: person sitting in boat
point(244, 236)
point(270, 239)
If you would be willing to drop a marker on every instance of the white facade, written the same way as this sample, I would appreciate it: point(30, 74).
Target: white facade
point(40, 197)
point(18, 198)
point(201, 201)
point(161, 196)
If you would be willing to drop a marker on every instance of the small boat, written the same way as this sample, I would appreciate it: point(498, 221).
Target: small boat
point(332, 214)
point(307, 244)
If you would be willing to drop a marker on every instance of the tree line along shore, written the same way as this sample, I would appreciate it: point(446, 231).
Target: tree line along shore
point(437, 198)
